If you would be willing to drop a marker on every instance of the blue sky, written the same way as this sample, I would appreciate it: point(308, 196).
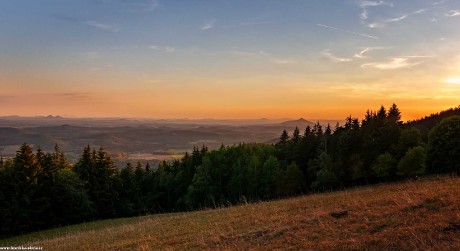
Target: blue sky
point(227, 59)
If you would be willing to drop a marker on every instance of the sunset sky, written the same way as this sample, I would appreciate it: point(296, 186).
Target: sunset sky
point(315, 59)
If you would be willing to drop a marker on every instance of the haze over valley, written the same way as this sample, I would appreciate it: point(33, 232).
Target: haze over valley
point(139, 139)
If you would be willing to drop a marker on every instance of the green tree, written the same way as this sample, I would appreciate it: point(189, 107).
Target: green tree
point(267, 177)
point(444, 147)
point(282, 146)
point(27, 206)
point(126, 191)
point(409, 138)
point(284, 138)
point(9, 195)
point(295, 136)
point(290, 181)
point(394, 115)
point(97, 171)
point(385, 165)
point(71, 203)
point(326, 176)
point(413, 162)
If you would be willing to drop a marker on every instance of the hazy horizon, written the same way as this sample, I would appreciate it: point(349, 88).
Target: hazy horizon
point(57, 117)
point(273, 59)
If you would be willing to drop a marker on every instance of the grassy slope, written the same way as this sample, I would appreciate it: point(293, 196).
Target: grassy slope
point(414, 215)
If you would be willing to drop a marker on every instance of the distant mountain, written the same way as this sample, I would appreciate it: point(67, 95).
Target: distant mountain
point(300, 123)
point(50, 120)
point(54, 117)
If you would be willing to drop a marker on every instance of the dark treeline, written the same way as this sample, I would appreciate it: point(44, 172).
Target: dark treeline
point(40, 190)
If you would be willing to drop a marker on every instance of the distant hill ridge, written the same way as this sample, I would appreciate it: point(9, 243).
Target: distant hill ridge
point(299, 123)
point(430, 121)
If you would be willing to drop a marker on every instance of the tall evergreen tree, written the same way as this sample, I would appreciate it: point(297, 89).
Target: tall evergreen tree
point(394, 115)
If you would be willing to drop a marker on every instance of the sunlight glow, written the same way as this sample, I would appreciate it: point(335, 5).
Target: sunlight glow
point(452, 80)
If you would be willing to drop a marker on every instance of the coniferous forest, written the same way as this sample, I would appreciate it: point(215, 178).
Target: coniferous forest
point(41, 189)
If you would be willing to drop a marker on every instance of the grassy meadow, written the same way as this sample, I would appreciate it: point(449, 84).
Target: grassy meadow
point(422, 214)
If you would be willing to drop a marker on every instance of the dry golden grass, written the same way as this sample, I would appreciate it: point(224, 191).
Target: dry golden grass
point(414, 215)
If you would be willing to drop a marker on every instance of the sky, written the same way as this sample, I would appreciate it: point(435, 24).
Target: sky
point(322, 59)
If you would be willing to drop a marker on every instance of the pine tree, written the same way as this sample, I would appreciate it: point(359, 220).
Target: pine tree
point(307, 132)
point(59, 158)
point(382, 113)
point(295, 136)
point(97, 170)
point(105, 195)
point(126, 192)
point(284, 138)
point(85, 167)
point(28, 204)
point(282, 148)
point(27, 165)
point(394, 115)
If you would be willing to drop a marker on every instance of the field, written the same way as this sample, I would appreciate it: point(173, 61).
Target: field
point(414, 215)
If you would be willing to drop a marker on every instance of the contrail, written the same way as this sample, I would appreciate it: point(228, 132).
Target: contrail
point(347, 31)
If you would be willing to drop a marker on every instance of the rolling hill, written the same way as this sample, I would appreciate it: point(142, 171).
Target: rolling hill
point(127, 138)
point(414, 215)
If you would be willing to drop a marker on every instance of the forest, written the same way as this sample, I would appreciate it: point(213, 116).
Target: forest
point(41, 189)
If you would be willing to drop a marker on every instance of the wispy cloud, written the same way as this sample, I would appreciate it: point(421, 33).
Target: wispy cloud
point(91, 23)
point(208, 25)
point(347, 31)
point(364, 15)
point(383, 23)
point(364, 5)
point(397, 19)
point(149, 5)
point(420, 11)
point(453, 13)
point(419, 56)
point(249, 53)
point(393, 64)
point(169, 49)
point(141, 5)
point(103, 26)
point(439, 2)
point(263, 55)
point(335, 59)
point(366, 50)
point(80, 97)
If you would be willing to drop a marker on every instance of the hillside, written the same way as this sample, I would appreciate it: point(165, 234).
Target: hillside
point(414, 215)
point(428, 122)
